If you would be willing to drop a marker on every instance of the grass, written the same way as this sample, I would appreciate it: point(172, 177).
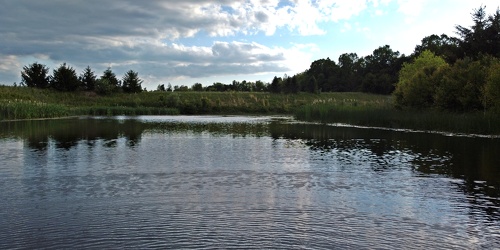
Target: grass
point(160, 103)
point(20, 109)
point(388, 117)
point(350, 108)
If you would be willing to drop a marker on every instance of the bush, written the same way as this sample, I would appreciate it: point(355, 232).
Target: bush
point(104, 87)
point(173, 100)
point(491, 91)
point(418, 80)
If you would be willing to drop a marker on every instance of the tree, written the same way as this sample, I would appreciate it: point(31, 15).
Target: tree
point(260, 86)
point(197, 87)
point(417, 81)
point(313, 85)
point(481, 38)
point(35, 75)
point(290, 85)
point(104, 87)
point(349, 74)
point(110, 76)
point(64, 78)
point(88, 79)
point(323, 71)
point(491, 92)
point(131, 83)
point(384, 65)
point(161, 87)
point(443, 46)
point(276, 85)
point(493, 34)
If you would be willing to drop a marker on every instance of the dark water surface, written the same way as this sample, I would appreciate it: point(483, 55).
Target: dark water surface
point(243, 182)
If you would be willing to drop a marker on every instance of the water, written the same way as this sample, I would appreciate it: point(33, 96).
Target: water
point(243, 182)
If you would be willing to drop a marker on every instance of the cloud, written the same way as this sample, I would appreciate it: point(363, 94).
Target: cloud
point(10, 66)
point(150, 36)
point(135, 33)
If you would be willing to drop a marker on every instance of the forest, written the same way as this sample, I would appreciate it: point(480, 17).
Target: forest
point(457, 74)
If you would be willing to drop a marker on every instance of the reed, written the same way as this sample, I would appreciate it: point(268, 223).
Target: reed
point(19, 109)
point(121, 110)
point(373, 116)
point(88, 103)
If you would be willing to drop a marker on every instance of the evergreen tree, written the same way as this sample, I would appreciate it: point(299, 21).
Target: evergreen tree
point(161, 87)
point(35, 75)
point(110, 80)
point(481, 38)
point(88, 79)
point(65, 79)
point(131, 83)
point(275, 85)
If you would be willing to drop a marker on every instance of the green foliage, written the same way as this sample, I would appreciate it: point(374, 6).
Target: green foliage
point(104, 87)
point(448, 89)
point(387, 117)
point(443, 46)
point(376, 73)
point(472, 76)
point(13, 110)
point(418, 81)
point(121, 110)
point(64, 78)
point(482, 37)
point(131, 83)
point(260, 86)
point(35, 75)
point(88, 79)
point(110, 80)
point(462, 87)
point(173, 100)
point(276, 85)
point(491, 90)
point(290, 85)
point(161, 87)
point(197, 87)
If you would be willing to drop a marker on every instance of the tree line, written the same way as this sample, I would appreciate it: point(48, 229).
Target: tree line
point(243, 86)
point(65, 78)
point(455, 74)
point(379, 72)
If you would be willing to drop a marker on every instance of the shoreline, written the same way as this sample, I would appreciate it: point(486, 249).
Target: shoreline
point(353, 108)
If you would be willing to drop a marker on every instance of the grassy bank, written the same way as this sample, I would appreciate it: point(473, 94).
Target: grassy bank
point(29, 103)
point(351, 108)
point(388, 117)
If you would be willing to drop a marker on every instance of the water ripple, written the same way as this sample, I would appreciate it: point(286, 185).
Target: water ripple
point(186, 189)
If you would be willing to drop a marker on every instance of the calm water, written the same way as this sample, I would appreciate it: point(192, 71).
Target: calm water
point(243, 182)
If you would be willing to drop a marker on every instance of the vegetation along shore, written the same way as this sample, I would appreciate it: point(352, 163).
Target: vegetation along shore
point(446, 84)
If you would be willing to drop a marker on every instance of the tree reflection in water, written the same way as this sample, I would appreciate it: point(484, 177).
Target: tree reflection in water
point(471, 160)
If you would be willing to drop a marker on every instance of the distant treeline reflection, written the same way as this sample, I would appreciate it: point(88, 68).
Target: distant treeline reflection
point(67, 133)
point(473, 160)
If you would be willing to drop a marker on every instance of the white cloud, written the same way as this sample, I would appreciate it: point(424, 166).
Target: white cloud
point(129, 33)
point(9, 63)
point(152, 35)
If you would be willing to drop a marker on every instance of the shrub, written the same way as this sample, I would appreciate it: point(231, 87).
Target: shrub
point(417, 81)
point(491, 91)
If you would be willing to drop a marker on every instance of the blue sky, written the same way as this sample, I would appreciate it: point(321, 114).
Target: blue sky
point(189, 41)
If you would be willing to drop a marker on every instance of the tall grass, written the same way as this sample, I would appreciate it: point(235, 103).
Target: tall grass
point(145, 103)
point(470, 123)
point(120, 110)
point(30, 110)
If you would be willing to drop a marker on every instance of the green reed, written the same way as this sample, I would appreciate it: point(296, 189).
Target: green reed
point(470, 123)
point(18, 109)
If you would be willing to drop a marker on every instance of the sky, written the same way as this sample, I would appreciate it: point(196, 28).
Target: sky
point(183, 42)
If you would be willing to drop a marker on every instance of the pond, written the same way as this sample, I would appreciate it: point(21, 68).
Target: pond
point(243, 182)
